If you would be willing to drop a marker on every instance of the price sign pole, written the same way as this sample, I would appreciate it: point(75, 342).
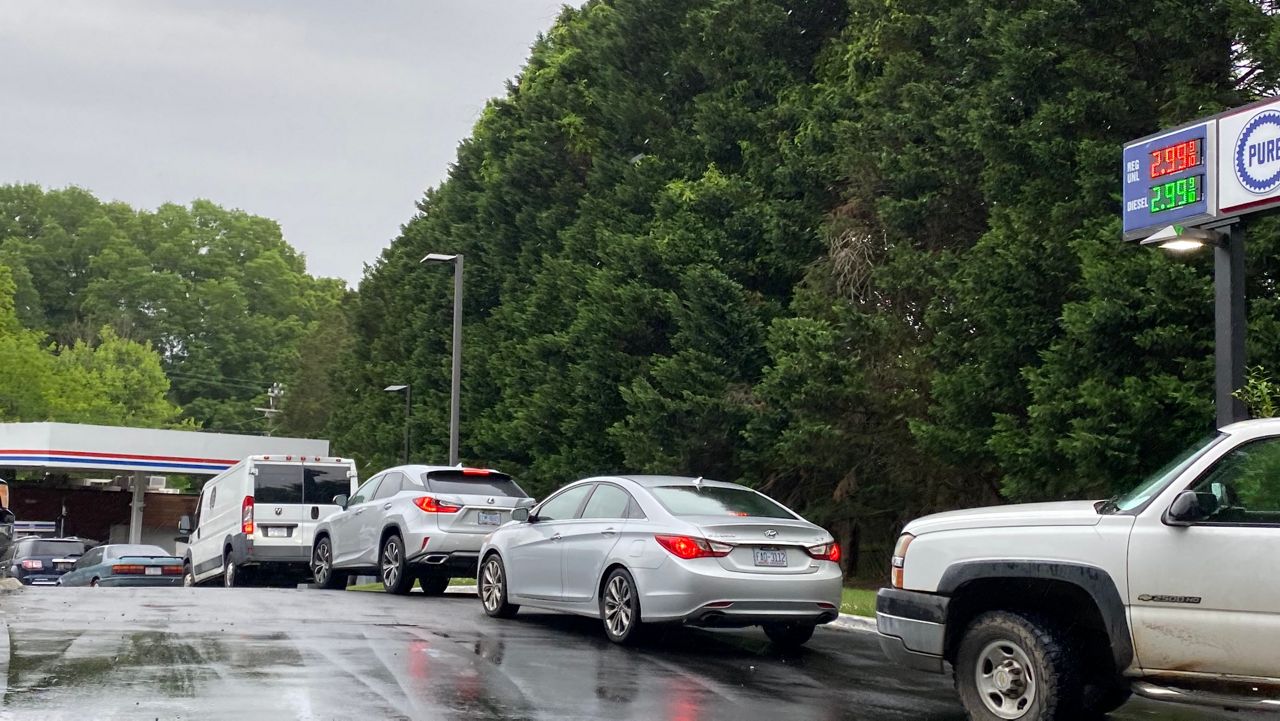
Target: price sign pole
point(1191, 186)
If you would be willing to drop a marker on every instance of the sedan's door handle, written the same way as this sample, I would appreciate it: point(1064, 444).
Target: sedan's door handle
point(610, 532)
point(386, 506)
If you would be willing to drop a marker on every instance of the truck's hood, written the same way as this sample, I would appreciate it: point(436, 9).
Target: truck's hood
point(1067, 513)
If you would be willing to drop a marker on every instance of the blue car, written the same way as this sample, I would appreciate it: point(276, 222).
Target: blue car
point(123, 564)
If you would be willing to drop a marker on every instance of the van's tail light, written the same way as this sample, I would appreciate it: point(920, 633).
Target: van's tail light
point(900, 558)
point(246, 516)
point(825, 552)
point(431, 505)
point(33, 565)
point(687, 547)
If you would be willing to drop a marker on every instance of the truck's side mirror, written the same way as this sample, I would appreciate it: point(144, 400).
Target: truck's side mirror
point(520, 514)
point(184, 525)
point(1191, 507)
point(341, 500)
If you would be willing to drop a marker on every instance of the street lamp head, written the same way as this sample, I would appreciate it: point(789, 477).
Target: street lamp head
point(438, 258)
point(1179, 239)
point(395, 389)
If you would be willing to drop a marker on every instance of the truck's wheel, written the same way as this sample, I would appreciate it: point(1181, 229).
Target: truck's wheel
point(1017, 666)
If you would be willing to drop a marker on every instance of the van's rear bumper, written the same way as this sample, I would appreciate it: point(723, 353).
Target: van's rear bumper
point(913, 628)
point(248, 551)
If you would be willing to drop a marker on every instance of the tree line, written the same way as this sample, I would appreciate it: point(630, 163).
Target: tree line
point(862, 254)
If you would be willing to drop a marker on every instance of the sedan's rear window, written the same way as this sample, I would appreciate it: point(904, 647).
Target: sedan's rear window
point(52, 548)
point(459, 483)
point(717, 501)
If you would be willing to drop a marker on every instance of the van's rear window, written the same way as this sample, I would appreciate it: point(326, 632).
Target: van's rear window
point(717, 501)
point(295, 483)
point(459, 483)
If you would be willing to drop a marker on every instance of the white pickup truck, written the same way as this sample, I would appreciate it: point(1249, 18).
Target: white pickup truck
point(1054, 611)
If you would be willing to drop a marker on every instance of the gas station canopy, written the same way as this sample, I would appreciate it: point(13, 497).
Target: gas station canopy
point(69, 446)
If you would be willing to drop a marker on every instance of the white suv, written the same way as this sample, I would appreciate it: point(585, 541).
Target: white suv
point(414, 523)
point(1060, 610)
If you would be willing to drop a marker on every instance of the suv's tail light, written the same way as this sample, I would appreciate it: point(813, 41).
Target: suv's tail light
point(687, 547)
point(431, 505)
point(900, 558)
point(31, 564)
point(246, 516)
point(825, 552)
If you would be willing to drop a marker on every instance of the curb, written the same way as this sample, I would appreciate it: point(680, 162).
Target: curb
point(846, 621)
point(4, 662)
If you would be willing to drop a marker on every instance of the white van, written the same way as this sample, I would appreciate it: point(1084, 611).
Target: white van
point(258, 517)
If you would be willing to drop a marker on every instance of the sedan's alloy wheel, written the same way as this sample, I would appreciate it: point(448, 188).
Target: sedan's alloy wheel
point(491, 585)
point(617, 606)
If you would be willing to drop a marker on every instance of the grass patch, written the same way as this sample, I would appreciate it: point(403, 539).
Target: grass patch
point(377, 587)
point(858, 601)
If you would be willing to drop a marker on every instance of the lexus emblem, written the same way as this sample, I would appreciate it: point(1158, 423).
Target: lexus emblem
point(490, 501)
point(770, 533)
point(279, 510)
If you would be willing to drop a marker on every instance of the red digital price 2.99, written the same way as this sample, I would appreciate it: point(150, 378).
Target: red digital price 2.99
point(1176, 158)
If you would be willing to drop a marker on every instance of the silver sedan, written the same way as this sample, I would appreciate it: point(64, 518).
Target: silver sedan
point(641, 550)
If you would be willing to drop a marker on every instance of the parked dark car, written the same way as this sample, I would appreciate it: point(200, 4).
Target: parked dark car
point(125, 564)
point(40, 561)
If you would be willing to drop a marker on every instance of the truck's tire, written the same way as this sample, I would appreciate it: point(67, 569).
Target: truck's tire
point(1016, 666)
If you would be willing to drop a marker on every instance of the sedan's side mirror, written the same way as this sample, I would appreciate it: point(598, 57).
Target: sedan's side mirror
point(1191, 507)
point(520, 514)
point(184, 525)
point(341, 500)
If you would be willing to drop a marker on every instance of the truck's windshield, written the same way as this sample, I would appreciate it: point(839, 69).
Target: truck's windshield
point(1156, 482)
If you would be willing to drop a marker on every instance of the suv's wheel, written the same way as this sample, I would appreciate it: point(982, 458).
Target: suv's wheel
point(395, 579)
point(322, 566)
point(620, 608)
point(789, 635)
point(492, 586)
point(1017, 666)
point(433, 584)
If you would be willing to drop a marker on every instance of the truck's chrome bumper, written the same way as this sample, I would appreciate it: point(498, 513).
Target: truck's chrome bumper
point(912, 626)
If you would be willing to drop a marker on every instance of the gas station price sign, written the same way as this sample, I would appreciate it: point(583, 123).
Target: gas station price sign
point(1167, 179)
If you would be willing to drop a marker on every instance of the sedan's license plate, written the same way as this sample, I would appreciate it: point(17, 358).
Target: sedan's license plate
point(771, 557)
point(489, 519)
point(153, 570)
point(277, 532)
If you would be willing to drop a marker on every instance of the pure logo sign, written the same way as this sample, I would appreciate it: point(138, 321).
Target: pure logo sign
point(1257, 153)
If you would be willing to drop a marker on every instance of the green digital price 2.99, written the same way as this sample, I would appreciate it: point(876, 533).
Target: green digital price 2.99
point(1175, 194)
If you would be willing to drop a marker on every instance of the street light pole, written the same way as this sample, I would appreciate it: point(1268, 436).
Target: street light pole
point(408, 412)
point(455, 393)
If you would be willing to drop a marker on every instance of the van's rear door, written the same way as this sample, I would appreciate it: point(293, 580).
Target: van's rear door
point(290, 499)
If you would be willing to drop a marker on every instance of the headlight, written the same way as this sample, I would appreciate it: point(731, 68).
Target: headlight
point(900, 558)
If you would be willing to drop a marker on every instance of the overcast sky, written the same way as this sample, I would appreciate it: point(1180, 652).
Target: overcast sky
point(330, 117)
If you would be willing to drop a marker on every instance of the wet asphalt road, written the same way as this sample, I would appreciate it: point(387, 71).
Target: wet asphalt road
point(247, 654)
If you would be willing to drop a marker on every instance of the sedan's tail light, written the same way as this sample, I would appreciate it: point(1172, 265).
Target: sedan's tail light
point(33, 565)
point(171, 570)
point(128, 569)
point(825, 551)
point(431, 505)
point(246, 516)
point(687, 547)
point(900, 559)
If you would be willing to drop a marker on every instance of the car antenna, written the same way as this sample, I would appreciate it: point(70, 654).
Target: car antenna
point(697, 483)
